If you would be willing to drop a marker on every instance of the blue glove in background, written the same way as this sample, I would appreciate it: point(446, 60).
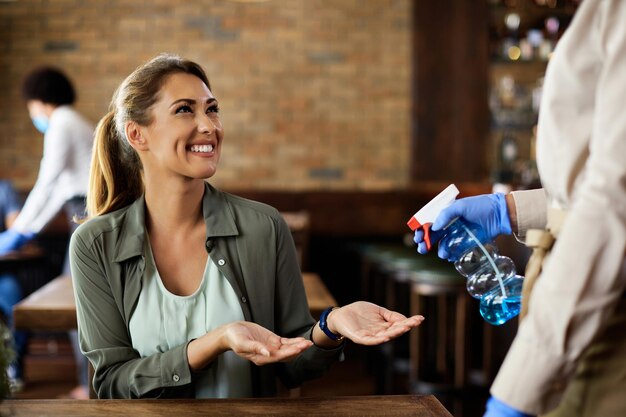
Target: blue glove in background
point(11, 240)
point(496, 408)
point(487, 210)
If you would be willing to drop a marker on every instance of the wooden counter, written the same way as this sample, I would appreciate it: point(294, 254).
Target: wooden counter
point(390, 405)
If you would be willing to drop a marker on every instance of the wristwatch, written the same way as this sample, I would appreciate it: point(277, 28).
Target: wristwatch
point(324, 326)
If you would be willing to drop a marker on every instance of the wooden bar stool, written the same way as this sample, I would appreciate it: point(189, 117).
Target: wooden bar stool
point(394, 357)
point(378, 261)
point(373, 260)
point(438, 347)
point(397, 268)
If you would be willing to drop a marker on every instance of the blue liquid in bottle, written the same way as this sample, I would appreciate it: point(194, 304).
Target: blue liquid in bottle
point(491, 278)
point(497, 309)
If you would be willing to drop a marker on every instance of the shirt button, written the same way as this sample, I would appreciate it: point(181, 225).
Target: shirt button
point(176, 378)
point(221, 262)
point(244, 299)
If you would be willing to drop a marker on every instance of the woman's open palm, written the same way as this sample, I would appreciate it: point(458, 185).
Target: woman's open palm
point(369, 324)
point(261, 346)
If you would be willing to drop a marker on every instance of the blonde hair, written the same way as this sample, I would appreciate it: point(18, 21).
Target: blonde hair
point(115, 179)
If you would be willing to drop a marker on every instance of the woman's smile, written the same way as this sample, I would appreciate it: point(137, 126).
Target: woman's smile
point(202, 149)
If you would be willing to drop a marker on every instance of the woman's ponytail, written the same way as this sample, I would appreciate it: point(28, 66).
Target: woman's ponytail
point(115, 179)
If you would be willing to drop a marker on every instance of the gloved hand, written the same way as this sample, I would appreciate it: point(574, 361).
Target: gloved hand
point(487, 210)
point(421, 243)
point(496, 408)
point(11, 240)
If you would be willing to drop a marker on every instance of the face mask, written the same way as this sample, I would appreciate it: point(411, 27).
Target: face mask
point(41, 123)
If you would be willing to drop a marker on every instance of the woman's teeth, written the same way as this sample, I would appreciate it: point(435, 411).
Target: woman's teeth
point(201, 148)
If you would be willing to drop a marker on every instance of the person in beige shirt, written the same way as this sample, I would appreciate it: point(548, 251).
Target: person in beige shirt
point(569, 356)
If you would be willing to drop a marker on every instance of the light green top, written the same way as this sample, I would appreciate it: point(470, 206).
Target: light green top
point(162, 321)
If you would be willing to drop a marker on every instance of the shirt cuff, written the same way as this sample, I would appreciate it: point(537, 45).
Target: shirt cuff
point(531, 207)
point(175, 367)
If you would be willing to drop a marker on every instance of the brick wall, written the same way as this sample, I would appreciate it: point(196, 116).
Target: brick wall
point(314, 94)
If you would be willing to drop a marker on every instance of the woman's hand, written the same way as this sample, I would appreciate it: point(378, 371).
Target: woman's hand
point(246, 339)
point(261, 346)
point(368, 324)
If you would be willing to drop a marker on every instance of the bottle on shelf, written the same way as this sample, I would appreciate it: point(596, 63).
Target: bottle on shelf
point(491, 277)
point(511, 44)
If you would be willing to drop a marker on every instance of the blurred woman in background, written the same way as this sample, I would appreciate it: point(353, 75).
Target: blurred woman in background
point(63, 172)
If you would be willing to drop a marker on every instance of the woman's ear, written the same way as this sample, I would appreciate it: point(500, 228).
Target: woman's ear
point(135, 136)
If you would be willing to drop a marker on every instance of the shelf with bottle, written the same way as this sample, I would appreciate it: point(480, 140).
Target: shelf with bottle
point(522, 37)
point(514, 103)
point(514, 107)
point(525, 30)
point(513, 158)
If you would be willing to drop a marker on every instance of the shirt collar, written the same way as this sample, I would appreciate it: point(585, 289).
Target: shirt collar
point(218, 217)
point(218, 213)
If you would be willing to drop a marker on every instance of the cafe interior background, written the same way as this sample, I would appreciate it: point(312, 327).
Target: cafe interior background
point(351, 113)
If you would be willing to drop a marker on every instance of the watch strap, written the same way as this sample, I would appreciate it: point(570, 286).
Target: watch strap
point(324, 325)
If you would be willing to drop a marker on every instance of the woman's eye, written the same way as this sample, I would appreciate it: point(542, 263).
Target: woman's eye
point(184, 109)
point(213, 109)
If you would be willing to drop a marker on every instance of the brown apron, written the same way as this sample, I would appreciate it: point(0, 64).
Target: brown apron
point(598, 386)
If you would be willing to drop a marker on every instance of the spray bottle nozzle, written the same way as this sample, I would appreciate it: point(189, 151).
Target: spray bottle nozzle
point(426, 216)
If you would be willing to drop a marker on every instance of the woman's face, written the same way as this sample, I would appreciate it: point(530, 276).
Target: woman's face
point(186, 134)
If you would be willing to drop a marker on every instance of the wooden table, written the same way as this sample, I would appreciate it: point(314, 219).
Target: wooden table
point(52, 307)
point(28, 253)
point(317, 295)
point(389, 405)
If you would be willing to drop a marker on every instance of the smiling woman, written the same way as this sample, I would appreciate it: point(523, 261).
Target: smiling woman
point(184, 136)
point(120, 176)
point(183, 290)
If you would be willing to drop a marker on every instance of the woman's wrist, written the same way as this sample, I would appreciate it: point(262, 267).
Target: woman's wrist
point(329, 322)
point(204, 350)
point(320, 338)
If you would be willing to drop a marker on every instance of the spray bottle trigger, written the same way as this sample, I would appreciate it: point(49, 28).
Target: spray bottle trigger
point(426, 228)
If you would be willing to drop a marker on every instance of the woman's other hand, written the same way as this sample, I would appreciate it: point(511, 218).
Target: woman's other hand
point(246, 339)
point(261, 346)
point(369, 324)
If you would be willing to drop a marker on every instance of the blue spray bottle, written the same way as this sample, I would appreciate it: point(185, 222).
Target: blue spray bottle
point(491, 277)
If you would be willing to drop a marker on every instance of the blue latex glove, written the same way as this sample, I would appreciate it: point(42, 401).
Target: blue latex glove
point(11, 240)
point(421, 243)
point(487, 210)
point(496, 408)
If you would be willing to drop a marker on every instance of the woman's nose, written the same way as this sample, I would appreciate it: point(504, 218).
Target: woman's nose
point(206, 125)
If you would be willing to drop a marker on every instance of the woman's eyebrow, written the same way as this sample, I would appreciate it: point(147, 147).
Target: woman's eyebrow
point(192, 101)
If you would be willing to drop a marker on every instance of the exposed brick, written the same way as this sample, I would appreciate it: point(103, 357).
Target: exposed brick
point(314, 94)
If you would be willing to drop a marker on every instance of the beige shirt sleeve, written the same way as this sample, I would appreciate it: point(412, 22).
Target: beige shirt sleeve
point(582, 142)
point(531, 208)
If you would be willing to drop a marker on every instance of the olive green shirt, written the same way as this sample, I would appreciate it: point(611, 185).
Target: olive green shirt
point(254, 250)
